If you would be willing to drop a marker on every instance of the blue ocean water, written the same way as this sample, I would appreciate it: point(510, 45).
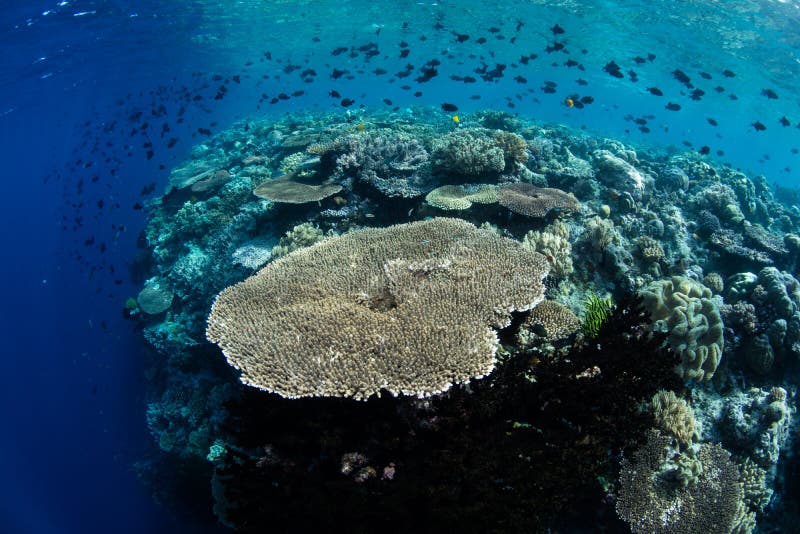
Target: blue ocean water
point(99, 101)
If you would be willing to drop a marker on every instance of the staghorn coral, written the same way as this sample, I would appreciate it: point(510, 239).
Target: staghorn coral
point(537, 202)
point(553, 243)
point(685, 309)
point(654, 497)
point(674, 416)
point(461, 197)
point(409, 309)
point(548, 321)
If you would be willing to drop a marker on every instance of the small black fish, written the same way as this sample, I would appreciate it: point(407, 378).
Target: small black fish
point(555, 47)
point(418, 94)
point(299, 92)
point(236, 78)
point(339, 50)
point(650, 57)
point(347, 102)
point(733, 96)
point(461, 37)
point(581, 81)
point(644, 129)
point(449, 107)
point(682, 77)
point(784, 121)
point(480, 40)
point(633, 76)
point(728, 73)
point(655, 91)
point(334, 94)
point(475, 97)
point(705, 150)
point(387, 101)
point(639, 60)
point(758, 126)
point(769, 93)
point(705, 75)
point(336, 74)
point(404, 52)
point(711, 121)
point(587, 99)
point(427, 75)
point(719, 89)
point(520, 79)
point(613, 69)
point(673, 106)
point(557, 30)
point(697, 94)
point(571, 63)
point(494, 30)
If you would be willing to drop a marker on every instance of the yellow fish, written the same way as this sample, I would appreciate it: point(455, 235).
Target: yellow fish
point(569, 102)
point(361, 127)
point(456, 119)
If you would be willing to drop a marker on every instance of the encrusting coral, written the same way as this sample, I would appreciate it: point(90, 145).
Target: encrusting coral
point(409, 309)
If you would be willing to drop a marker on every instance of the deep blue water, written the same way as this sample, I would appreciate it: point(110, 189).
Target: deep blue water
point(75, 75)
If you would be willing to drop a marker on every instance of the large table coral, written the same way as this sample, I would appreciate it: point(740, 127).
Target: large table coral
point(409, 309)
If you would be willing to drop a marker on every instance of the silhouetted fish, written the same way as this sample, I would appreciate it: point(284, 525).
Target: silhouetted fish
point(711, 121)
point(728, 73)
point(347, 102)
point(673, 106)
point(446, 106)
point(682, 77)
point(784, 121)
point(655, 91)
point(613, 69)
point(705, 150)
point(556, 29)
point(758, 126)
point(769, 93)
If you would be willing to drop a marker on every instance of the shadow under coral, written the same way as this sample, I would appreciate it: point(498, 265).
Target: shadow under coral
point(534, 445)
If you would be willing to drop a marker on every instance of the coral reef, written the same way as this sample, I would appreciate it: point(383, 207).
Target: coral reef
point(713, 252)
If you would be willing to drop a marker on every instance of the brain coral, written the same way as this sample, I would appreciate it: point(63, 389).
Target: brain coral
point(686, 310)
point(409, 308)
